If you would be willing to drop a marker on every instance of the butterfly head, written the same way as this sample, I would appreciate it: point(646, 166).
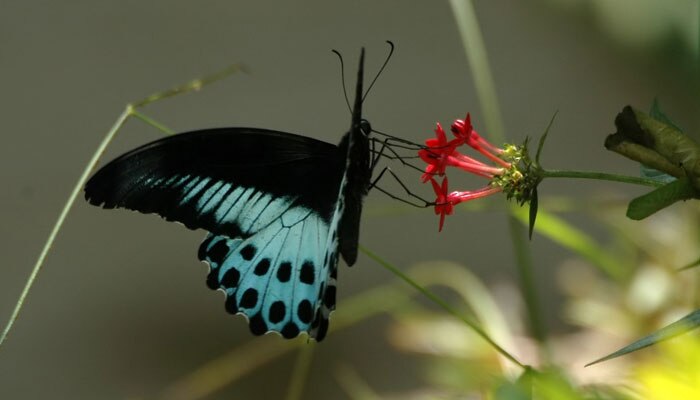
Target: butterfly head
point(365, 127)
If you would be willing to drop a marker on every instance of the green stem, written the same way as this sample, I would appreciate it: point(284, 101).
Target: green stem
point(440, 302)
point(128, 111)
point(193, 85)
point(152, 122)
point(300, 373)
point(77, 189)
point(600, 176)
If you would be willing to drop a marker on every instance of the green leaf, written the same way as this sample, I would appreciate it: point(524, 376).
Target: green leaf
point(683, 325)
point(533, 212)
point(655, 144)
point(652, 173)
point(658, 199)
point(540, 145)
point(656, 113)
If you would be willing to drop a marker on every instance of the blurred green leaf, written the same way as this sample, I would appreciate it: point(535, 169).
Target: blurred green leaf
point(574, 239)
point(533, 212)
point(658, 199)
point(691, 265)
point(656, 113)
point(683, 325)
point(552, 383)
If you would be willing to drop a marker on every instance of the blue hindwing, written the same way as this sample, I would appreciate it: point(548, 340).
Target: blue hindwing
point(280, 273)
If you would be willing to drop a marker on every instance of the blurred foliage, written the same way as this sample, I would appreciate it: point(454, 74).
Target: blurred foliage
point(669, 27)
point(607, 311)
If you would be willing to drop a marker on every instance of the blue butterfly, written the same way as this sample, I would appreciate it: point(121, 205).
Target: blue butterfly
point(280, 209)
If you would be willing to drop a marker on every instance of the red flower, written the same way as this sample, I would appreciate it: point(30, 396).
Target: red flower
point(463, 129)
point(443, 206)
point(464, 132)
point(458, 197)
point(472, 165)
point(437, 154)
point(440, 153)
point(444, 202)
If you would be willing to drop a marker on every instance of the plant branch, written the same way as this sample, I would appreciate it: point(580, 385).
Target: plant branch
point(602, 176)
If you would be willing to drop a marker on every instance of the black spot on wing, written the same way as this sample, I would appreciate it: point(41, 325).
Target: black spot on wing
point(257, 325)
point(249, 298)
point(248, 252)
point(304, 311)
point(230, 305)
point(277, 312)
point(230, 278)
point(262, 267)
point(213, 250)
point(290, 330)
point(307, 273)
point(213, 279)
point(218, 252)
point(284, 272)
point(329, 297)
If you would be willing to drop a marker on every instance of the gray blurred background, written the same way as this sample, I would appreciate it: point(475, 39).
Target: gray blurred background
point(121, 310)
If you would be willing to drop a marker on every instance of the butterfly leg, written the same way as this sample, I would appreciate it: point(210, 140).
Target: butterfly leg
point(423, 203)
point(389, 148)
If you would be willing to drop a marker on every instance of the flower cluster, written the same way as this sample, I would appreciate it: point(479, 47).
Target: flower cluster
point(439, 153)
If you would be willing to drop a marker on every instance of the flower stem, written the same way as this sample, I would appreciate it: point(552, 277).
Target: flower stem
point(600, 176)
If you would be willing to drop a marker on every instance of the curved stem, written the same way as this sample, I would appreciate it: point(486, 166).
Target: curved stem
point(77, 189)
point(442, 304)
point(152, 122)
point(602, 176)
point(300, 373)
point(129, 111)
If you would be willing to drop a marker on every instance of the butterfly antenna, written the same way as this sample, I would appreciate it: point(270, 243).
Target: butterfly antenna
point(342, 78)
point(388, 57)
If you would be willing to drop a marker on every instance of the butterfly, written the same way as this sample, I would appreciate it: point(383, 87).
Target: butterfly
point(280, 209)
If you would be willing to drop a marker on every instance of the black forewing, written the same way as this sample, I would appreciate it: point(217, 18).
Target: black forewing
point(153, 177)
